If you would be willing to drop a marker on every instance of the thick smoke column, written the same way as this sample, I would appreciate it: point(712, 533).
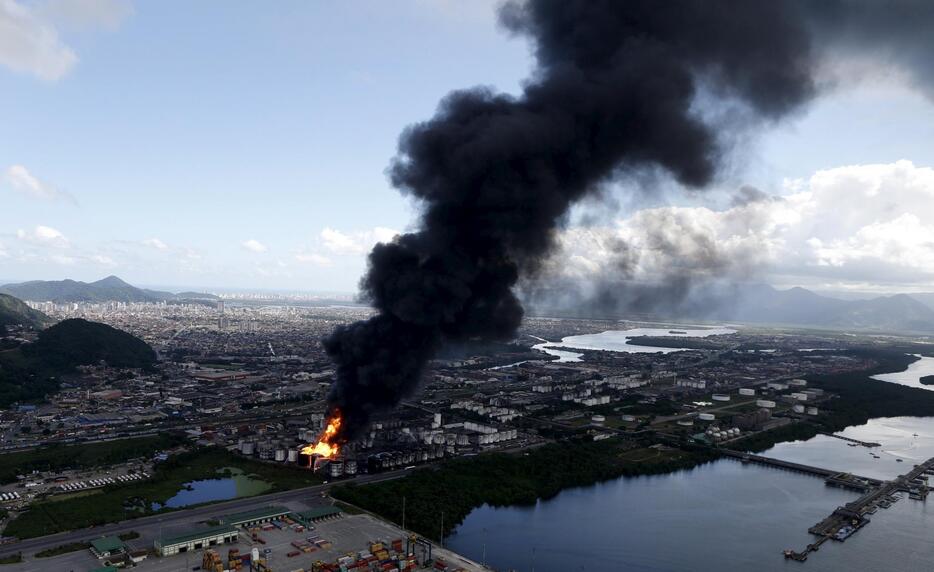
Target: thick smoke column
point(614, 91)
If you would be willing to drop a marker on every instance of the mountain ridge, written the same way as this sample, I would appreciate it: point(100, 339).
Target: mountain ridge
point(108, 289)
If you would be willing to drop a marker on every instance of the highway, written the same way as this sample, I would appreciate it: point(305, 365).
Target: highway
point(190, 516)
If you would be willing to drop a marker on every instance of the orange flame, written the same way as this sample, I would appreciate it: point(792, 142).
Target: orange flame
point(325, 445)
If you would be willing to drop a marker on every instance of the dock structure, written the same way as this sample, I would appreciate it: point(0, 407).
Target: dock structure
point(868, 444)
point(846, 520)
point(837, 478)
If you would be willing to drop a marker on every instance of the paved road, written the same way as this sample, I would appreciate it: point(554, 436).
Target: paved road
point(190, 516)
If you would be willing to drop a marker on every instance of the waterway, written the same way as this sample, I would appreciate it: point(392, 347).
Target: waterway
point(210, 490)
point(721, 516)
point(912, 375)
point(618, 341)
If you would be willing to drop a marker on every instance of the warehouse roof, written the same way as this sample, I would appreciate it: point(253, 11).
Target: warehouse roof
point(254, 515)
point(320, 512)
point(198, 534)
point(107, 545)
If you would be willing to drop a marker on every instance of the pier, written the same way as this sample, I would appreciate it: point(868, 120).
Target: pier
point(850, 440)
point(846, 520)
point(837, 478)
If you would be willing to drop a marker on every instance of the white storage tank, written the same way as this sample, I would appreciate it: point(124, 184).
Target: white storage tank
point(598, 419)
point(720, 397)
point(798, 408)
point(293, 455)
point(765, 403)
point(748, 391)
point(628, 418)
point(706, 417)
point(686, 423)
point(800, 396)
point(280, 455)
point(812, 411)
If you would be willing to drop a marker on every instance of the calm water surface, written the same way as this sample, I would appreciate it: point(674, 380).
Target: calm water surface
point(721, 516)
point(208, 490)
point(912, 375)
point(618, 341)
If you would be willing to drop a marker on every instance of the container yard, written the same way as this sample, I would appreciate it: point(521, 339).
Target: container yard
point(316, 540)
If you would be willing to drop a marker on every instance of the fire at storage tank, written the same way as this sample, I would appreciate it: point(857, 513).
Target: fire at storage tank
point(326, 446)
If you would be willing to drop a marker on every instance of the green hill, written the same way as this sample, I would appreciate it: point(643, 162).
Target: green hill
point(110, 289)
point(31, 371)
point(75, 342)
point(14, 311)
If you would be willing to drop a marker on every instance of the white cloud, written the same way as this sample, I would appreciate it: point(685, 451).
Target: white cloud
point(155, 243)
point(854, 224)
point(28, 44)
point(313, 258)
point(357, 242)
point(28, 184)
point(254, 245)
point(63, 260)
point(43, 236)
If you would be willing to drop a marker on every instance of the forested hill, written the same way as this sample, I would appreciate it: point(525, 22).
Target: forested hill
point(75, 342)
point(14, 311)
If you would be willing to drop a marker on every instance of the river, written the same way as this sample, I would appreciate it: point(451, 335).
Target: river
point(721, 516)
point(911, 376)
point(618, 341)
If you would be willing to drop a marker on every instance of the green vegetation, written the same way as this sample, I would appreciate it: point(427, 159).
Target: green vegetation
point(79, 342)
point(61, 457)
point(132, 500)
point(927, 380)
point(14, 311)
point(499, 479)
point(862, 398)
point(63, 549)
point(31, 371)
point(758, 442)
point(12, 558)
point(677, 342)
point(131, 535)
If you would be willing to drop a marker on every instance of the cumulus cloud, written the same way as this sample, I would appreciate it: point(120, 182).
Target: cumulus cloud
point(22, 181)
point(861, 223)
point(355, 243)
point(29, 44)
point(43, 236)
point(155, 243)
point(254, 245)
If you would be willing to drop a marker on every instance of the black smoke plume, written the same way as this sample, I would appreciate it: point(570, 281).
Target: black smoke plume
point(614, 92)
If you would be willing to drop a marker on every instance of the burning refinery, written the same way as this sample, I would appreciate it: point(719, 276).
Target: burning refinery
point(407, 438)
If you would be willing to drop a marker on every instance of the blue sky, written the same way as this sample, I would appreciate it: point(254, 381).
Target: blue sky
point(243, 145)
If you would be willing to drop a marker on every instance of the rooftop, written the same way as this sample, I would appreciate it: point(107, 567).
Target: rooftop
point(256, 514)
point(197, 534)
point(107, 544)
point(320, 512)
